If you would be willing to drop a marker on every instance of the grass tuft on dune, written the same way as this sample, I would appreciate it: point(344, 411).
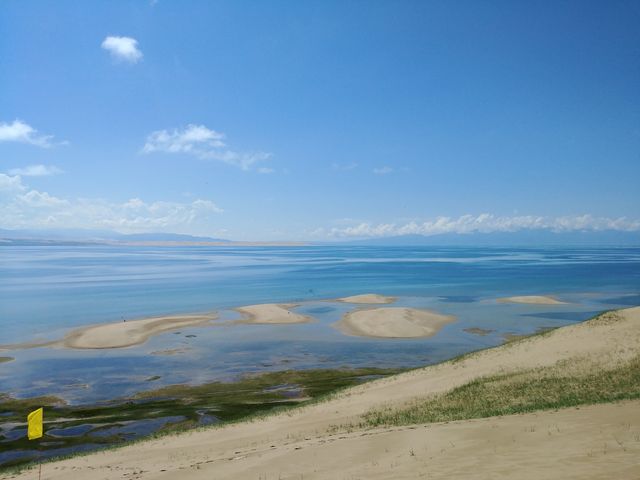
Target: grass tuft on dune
point(567, 384)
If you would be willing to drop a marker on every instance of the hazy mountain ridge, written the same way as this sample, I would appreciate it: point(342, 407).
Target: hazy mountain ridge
point(98, 236)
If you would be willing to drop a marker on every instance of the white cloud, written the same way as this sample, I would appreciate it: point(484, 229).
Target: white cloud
point(35, 171)
point(19, 131)
point(344, 166)
point(382, 170)
point(122, 48)
point(23, 207)
point(265, 170)
point(486, 223)
point(201, 142)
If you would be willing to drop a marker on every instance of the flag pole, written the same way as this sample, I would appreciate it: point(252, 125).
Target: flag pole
point(35, 431)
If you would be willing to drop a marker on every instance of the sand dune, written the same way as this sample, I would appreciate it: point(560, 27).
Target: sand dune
point(372, 298)
point(590, 442)
point(272, 313)
point(532, 299)
point(393, 323)
point(133, 332)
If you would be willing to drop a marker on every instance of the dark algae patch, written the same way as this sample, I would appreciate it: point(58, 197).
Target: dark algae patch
point(479, 331)
point(75, 428)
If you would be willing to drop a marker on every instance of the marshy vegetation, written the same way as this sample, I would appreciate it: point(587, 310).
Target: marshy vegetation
point(74, 428)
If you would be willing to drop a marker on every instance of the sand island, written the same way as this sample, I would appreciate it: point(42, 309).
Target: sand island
point(272, 313)
point(372, 298)
point(130, 333)
point(393, 322)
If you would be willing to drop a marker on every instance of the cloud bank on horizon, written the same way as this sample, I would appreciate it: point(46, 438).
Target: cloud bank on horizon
point(486, 223)
point(24, 207)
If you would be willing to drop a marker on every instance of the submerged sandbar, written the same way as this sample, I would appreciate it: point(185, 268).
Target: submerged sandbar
point(393, 322)
point(532, 300)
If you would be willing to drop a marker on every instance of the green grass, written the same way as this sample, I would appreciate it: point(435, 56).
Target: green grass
point(539, 389)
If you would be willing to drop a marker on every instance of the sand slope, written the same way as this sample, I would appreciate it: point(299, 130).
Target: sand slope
point(593, 442)
point(271, 313)
point(395, 322)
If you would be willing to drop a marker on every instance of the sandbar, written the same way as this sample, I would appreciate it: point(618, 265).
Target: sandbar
point(372, 298)
point(272, 313)
point(532, 299)
point(130, 333)
point(393, 322)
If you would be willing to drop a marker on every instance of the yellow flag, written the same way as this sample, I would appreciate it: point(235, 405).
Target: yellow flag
point(34, 421)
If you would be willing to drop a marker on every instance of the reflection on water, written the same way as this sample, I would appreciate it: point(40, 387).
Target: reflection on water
point(45, 291)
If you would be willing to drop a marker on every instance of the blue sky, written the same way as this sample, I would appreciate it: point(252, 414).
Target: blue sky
point(319, 120)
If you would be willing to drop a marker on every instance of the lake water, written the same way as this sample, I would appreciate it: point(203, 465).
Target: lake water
point(45, 291)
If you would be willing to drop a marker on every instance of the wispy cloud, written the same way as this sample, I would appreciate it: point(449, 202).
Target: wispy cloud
point(23, 207)
point(201, 142)
point(382, 170)
point(265, 170)
point(19, 131)
point(35, 171)
point(122, 48)
point(486, 223)
point(344, 166)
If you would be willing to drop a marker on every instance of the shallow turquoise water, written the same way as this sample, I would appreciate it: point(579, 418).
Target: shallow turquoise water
point(45, 291)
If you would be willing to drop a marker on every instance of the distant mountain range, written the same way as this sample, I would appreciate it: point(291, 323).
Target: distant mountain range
point(96, 236)
point(521, 238)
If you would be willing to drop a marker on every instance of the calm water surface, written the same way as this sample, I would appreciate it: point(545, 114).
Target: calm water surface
point(45, 291)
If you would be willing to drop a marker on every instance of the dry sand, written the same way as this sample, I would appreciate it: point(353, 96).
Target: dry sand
point(272, 313)
point(372, 298)
point(532, 299)
point(394, 322)
point(133, 332)
point(590, 442)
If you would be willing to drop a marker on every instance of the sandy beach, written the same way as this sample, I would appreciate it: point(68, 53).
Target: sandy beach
point(323, 441)
point(393, 322)
point(372, 298)
point(272, 313)
point(532, 300)
point(129, 333)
